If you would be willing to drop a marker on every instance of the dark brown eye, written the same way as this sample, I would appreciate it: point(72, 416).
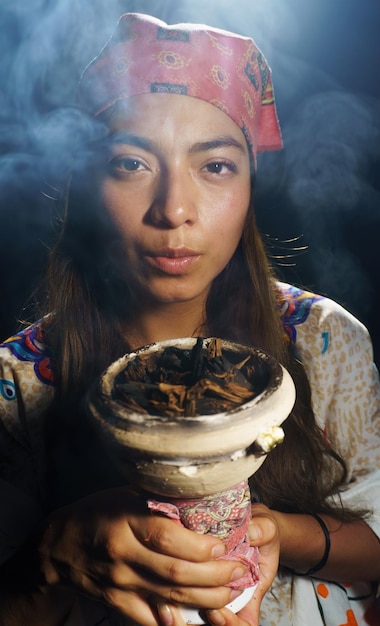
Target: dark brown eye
point(215, 168)
point(220, 167)
point(130, 165)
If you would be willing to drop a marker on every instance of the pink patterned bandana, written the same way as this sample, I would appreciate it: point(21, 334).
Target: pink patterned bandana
point(145, 55)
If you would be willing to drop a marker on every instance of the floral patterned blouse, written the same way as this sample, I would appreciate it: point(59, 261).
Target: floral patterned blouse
point(336, 351)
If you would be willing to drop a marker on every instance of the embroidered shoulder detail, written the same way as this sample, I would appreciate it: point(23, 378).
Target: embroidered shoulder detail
point(28, 346)
point(294, 306)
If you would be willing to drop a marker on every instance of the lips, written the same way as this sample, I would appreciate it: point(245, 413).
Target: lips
point(173, 261)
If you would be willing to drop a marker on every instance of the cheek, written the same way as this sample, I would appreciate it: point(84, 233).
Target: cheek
point(230, 219)
point(110, 199)
point(120, 207)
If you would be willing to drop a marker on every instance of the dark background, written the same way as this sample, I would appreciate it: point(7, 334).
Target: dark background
point(320, 194)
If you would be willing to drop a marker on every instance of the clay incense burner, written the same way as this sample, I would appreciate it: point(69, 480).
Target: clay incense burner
point(172, 442)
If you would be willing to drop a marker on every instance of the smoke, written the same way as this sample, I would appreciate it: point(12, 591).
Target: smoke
point(325, 185)
point(327, 174)
point(322, 186)
point(328, 146)
point(44, 46)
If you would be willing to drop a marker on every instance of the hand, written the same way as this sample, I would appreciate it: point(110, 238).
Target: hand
point(110, 547)
point(264, 533)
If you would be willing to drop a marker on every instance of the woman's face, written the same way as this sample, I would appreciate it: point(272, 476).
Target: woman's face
point(177, 187)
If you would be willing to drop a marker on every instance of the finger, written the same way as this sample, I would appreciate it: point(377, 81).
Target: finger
point(118, 566)
point(167, 577)
point(178, 619)
point(204, 597)
point(169, 614)
point(264, 533)
point(159, 567)
point(127, 579)
point(180, 572)
point(165, 614)
point(159, 545)
point(164, 536)
point(262, 529)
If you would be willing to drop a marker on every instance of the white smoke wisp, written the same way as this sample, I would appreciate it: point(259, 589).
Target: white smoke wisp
point(330, 144)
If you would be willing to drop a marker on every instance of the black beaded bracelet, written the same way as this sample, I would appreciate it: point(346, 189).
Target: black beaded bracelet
point(326, 553)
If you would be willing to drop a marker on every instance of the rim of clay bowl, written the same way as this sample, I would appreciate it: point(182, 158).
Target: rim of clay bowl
point(193, 436)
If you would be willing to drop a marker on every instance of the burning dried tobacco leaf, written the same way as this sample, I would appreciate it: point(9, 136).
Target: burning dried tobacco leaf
point(198, 381)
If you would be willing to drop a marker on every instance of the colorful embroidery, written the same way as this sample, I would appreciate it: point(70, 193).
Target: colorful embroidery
point(326, 341)
point(295, 308)
point(27, 346)
point(7, 389)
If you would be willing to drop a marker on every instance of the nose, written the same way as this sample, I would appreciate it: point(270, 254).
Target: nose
point(175, 202)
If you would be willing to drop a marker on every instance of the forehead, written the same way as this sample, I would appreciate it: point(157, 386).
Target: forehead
point(171, 115)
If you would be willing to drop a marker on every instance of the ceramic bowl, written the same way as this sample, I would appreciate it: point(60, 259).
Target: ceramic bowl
point(192, 456)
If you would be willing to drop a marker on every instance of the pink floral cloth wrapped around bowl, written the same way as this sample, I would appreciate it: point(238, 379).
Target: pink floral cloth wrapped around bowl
point(224, 515)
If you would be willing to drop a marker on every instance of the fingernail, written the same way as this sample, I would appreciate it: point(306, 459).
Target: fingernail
point(215, 617)
point(218, 550)
point(254, 532)
point(165, 614)
point(238, 573)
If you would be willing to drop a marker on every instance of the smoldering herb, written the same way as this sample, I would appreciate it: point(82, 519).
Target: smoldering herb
point(203, 380)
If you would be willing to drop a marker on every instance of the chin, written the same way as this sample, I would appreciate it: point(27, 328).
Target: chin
point(178, 298)
point(176, 294)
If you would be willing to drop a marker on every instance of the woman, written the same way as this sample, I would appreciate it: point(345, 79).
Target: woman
point(159, 241)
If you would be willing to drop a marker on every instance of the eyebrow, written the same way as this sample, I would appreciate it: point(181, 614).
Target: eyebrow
point(130, 138)
point(219, 142)
point(226, 141)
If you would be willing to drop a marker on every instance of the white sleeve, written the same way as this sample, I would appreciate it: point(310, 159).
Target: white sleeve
point(336, 351)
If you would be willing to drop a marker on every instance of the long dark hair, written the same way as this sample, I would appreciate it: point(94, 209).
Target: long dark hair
point(305, 470)
point(90, 299)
